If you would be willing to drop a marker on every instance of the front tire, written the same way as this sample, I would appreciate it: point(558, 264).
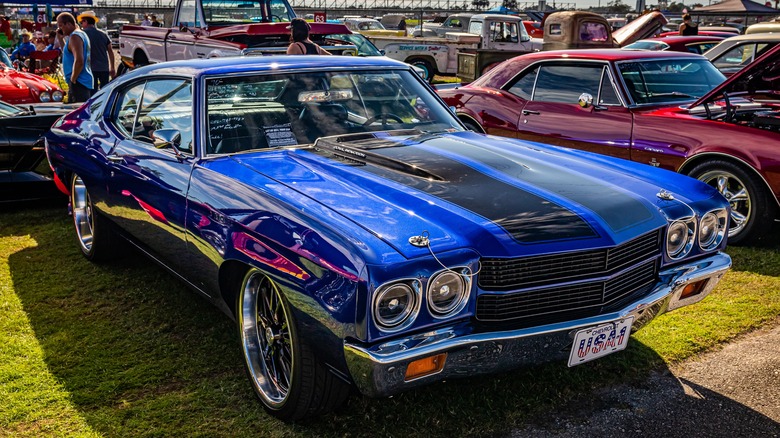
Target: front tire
point(285, 374)
point(94, 233)
point(753, 207)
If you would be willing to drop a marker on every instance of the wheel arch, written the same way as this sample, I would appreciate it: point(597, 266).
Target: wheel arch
point(695, 160)
point(464, 117)
point(426, 58)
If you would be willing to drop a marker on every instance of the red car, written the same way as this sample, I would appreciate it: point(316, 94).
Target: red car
point(667, 109)
point(697, 44)
point(20, 88)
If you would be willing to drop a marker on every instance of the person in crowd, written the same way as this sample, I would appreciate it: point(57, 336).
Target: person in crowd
point(300, 44)
point(24, 49)
point(75, 59)
point(51, 39)
point(155, 23)
point(39, 41)
point(687, 27)
point(102, 54)
point(146, 21)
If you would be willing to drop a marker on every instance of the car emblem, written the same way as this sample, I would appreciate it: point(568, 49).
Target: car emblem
point(665, 195)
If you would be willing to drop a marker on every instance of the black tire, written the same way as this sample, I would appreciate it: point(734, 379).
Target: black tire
point(96, 237)
point(122, 69)
point(472, 125)
point(425, 65)
point(754, 208)
point(285, 374)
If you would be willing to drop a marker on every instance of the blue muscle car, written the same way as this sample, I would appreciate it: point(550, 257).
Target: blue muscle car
point(360, 235)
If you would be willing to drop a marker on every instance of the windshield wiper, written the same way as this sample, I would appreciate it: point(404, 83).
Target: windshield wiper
point(673, 93)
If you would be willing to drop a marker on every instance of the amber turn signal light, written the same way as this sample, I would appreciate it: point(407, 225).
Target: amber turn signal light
point(425, 366)
point(693, 289)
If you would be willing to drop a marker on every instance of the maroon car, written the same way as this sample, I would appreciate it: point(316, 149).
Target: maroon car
point(667, 109)
point(697, 44)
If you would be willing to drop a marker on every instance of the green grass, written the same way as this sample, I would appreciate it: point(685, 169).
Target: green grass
point(123, 349)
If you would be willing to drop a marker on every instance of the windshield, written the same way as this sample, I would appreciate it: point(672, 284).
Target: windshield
point(364, 46)
point(6, 109)
point(5, 59)
point(647, 45)
point(266, 111)
point(236, 11)
point(669, 81)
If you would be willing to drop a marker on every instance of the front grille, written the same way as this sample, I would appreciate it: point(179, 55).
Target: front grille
point(556, 302)
point(501, 274)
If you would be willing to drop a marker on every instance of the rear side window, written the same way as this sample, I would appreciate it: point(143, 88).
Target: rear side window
point(524, 87)
point(565, 83)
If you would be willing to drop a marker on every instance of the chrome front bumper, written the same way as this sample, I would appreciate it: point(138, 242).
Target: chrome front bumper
point(379, 370)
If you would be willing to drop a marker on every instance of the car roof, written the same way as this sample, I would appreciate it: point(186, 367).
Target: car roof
point(607, 54)
point(240, 64)
point(756, 37)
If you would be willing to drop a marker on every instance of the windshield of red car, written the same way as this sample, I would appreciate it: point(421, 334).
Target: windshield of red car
point(276, 110)
point(669, 81)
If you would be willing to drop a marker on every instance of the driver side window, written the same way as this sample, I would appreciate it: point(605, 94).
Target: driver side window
point(565, 83)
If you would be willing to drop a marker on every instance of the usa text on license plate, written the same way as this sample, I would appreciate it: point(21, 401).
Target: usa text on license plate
point(595, 342)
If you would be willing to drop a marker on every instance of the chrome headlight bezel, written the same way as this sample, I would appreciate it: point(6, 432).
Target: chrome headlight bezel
point(686, 227)
point(44, 97)
point(717, 218)
point(57, 96)
point(460, 276)
point(412, 289)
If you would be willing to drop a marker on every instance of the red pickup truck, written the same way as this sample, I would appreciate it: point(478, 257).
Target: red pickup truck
point(216, 28)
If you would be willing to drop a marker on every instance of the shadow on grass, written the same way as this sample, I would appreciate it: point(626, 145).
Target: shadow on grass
point(141, 355)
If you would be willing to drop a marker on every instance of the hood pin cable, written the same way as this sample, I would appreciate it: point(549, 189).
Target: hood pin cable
point(423, 240)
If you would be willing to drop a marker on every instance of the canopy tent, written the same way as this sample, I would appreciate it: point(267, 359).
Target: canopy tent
point(735, 7)
point(501, 10)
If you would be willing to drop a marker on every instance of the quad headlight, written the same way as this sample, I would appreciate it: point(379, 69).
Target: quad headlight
point(680, 237)
point(712, 228)
point(45, 97)
point(448, 292)
point(396, 305)
point(57, 96)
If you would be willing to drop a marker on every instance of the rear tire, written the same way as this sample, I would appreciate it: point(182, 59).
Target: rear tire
point(753, 207)
point(287, 377)
point(94, 233)
point(426, 66)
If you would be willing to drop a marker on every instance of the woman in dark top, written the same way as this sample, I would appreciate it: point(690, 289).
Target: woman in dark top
point(300, 42)
point(687, 27)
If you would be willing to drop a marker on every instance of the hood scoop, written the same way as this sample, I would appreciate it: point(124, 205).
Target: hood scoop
point(363, 149)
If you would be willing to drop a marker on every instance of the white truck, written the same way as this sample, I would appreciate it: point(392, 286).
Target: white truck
point(501, 35)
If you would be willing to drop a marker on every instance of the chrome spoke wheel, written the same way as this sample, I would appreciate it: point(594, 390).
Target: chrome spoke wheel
point(266, 338)
point(83, 216)
point(735, 191)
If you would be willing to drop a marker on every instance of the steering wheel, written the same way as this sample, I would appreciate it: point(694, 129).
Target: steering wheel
point(276, 18)
point(384, 117)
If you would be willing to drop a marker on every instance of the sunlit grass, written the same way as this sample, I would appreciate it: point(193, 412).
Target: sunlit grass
point(123, 349)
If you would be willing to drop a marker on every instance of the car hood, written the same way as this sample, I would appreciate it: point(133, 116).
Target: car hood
point(501, 197)
point(762, 74)
point(642, 27)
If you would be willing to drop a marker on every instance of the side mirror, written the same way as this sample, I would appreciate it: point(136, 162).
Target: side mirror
point(382, 52)
point(586, 100)
point(165, 138)
point(525, 38)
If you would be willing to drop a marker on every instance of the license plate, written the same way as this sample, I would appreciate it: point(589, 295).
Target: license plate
point(595, 342)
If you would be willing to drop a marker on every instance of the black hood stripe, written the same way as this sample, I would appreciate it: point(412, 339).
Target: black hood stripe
point(527, 217)
point(617, 208)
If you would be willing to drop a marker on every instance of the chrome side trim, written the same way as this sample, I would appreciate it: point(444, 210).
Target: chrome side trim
point(379, 370)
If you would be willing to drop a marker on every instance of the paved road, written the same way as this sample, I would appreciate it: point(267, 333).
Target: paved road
point(732, 392)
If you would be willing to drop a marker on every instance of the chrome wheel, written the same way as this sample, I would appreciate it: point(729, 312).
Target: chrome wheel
point(735, 191)
point(83, 216)
point(266, 338)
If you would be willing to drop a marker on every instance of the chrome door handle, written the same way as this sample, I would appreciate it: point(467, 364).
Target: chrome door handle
point(527, 112)
point(115, 158)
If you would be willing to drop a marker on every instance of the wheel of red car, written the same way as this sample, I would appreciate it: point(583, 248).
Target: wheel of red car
point(289, 380)
point(93, 232)
point(753, 208)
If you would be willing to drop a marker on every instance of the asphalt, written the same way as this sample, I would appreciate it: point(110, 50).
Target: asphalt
point(731, 392)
